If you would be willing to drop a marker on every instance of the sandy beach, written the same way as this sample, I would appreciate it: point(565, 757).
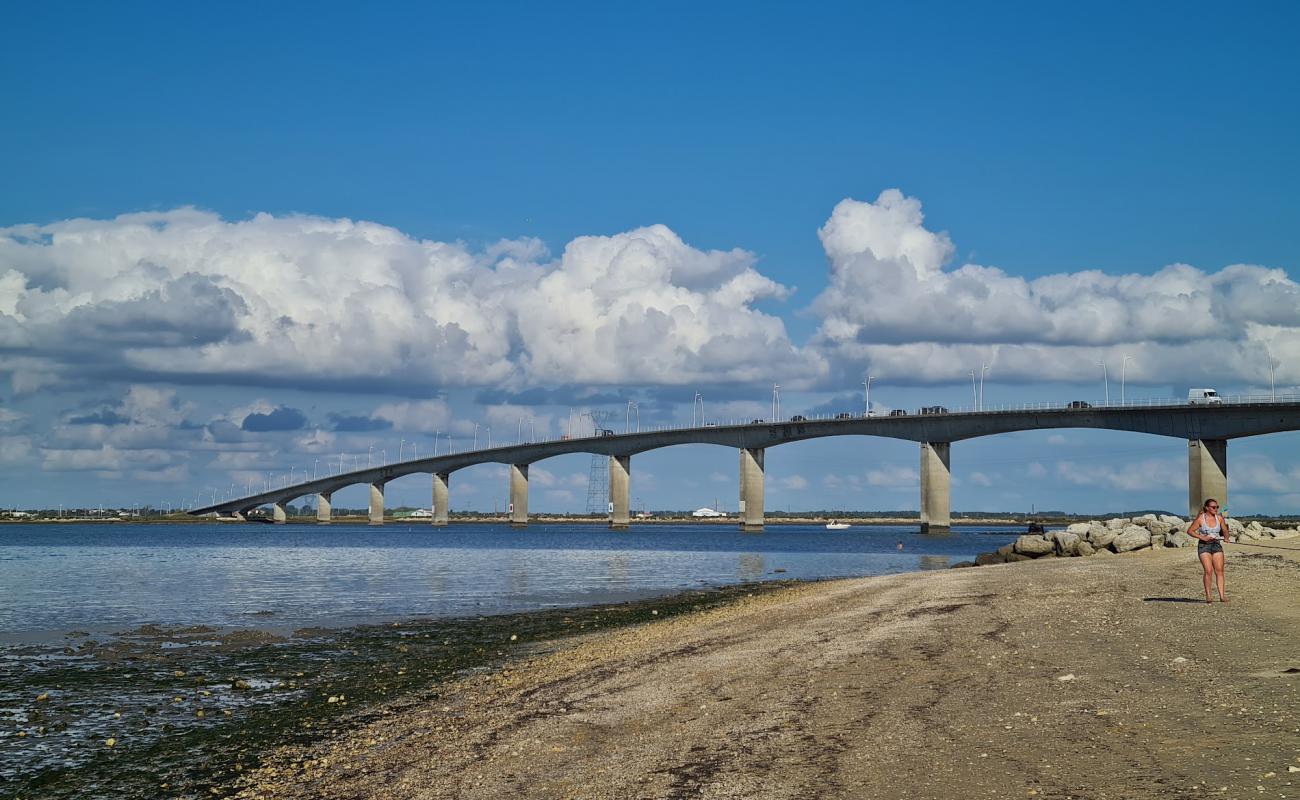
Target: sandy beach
point(1104, 677)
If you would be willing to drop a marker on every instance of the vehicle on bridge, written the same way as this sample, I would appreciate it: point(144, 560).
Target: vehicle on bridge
point(1076, 404)
point(843, 415)
point(931, 410)
point(898, 412)
point(1204, 397)
point(798, 418)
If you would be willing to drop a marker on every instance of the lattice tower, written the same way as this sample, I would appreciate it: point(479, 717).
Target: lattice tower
point(598, 478)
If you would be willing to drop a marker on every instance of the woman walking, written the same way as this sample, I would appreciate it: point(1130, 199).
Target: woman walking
point(1211, 530)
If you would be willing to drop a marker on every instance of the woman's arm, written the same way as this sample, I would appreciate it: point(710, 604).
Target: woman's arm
point(1192, 529)
point(1223, 526)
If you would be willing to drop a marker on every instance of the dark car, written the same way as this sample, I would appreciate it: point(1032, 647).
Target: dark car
point(898, 412)
point(930, 410)
point(606, 432)
point(1079, 404)
point(798, 418)
point(757, 421)
point(843, 415)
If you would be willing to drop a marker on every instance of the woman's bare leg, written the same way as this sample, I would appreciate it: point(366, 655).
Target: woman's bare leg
point(1217, 561)
point(1207, 563)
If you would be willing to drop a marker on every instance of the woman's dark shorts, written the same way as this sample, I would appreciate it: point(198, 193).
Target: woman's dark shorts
point(1215, 546)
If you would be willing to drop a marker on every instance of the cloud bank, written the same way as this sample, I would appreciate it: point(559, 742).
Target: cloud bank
point(895, 307)
point(187, 296)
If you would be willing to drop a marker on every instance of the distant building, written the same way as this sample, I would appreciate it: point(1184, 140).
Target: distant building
point(707, 512)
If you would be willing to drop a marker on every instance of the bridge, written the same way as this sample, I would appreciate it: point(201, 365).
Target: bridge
point(1207, 429)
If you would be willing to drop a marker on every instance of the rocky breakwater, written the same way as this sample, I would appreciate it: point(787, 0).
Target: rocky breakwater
point(1120, 535)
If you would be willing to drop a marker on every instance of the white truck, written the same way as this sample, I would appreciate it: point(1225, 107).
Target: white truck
point(1204, 397)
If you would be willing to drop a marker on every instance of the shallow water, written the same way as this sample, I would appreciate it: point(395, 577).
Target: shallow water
point(97, 578)
point(140, 634)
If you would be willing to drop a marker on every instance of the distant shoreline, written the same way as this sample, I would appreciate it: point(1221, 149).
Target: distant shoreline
point(600, 521)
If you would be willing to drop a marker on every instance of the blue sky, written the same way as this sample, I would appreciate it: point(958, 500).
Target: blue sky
point(487, 165)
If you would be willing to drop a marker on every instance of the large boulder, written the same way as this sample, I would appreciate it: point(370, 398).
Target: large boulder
point(1104, 552)
point(1033, 544)
point(1235, 526)
point(1006, 550)
point(1179, 539)
point(1064, 542)
point(1177, 522)
point(1144, 519)
point(1287, 534)
point(1254, 525)
point(1078, 528)
point(1157, 540)
point(1083, 548)
point(1101, 536)
point(1133, 537)
point(1117, 523)
point(1014, 557)
point(1159, 528)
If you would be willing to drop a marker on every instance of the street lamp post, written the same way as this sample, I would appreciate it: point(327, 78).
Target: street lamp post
point(1105, 380)
point(983, 369)
point(435, 442)
point(314, 464)
point(519, 431)
point(489, 435)
point(1123, 377)
point(401, 446)
point(368, 454)
point(776, 402)
point(1272, 387)
point(698, 401)
point(435, 451)
point(974, 396)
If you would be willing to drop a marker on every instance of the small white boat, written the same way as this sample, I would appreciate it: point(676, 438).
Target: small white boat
point(836, 525)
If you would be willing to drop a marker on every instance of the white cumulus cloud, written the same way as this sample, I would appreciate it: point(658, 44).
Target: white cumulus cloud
point(895, 306)
point(188, 295)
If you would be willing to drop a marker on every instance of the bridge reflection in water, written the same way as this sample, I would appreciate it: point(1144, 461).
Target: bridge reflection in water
point(1207, 429)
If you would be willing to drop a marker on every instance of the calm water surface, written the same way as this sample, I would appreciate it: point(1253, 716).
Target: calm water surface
point(98, 577)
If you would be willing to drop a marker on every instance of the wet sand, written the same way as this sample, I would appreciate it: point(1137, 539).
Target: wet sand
point(1103, 677)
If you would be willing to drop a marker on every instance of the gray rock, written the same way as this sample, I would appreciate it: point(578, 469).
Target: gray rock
point(1235, 527)
point(963, 564)
point(1179, 539)
point(1006, 550)
point(1157, 540)
point(1104, 552)
point(1117, 523)
point(985, 559)
point(1133, 537)
point(1064, 542)
point(1159, 528)
point(1288, 534)
point(1033, 544)
point(1177, 522)
point(1078, 528)
point(1254, 525)
point(1100, 536)
point(1144, 519)
point(1083, 548)
point(1014, 557)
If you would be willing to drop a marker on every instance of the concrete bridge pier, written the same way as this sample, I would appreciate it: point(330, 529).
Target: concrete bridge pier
point(518, 495)
point(936, 487)
point(751, 489)
point(620, 492)
point(323, 508)
point(278, 513)
point(1207, 473)
point(441, 496)
point(376, 503)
